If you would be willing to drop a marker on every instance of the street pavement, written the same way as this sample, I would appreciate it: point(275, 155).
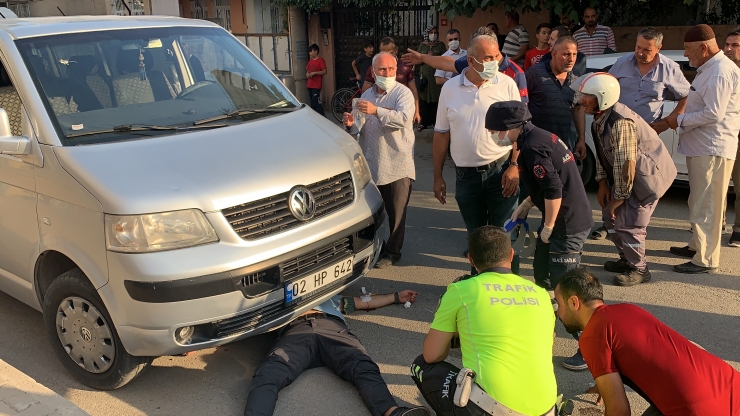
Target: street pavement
point(704, 308)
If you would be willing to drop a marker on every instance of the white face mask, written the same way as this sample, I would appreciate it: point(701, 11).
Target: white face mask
point(454, 44)
point(384, 83)
point(490, 69)
point(507, 140)
point(432, 37)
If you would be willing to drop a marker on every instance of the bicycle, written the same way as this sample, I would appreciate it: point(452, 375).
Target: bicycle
point(341, 101)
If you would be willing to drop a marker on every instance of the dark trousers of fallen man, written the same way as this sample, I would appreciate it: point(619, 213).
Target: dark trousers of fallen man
point(319, 339)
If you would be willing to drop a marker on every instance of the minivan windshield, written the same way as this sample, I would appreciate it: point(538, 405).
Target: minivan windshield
point(129, 84)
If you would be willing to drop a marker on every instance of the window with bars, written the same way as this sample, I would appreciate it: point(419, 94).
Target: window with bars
point(20, 8)
point(198, 9)
point(127, 7)
point(223, 13)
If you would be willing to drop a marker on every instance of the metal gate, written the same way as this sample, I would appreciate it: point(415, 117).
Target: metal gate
point(404, 22)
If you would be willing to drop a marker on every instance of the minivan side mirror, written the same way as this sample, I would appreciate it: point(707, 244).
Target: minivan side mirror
point(9, 144)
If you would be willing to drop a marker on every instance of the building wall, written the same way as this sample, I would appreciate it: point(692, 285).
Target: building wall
point(165, 7)
point(467, 25)
point(69, 7)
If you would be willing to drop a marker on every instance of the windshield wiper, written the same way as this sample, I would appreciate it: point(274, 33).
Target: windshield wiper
point(239, 113)
point(128, 128)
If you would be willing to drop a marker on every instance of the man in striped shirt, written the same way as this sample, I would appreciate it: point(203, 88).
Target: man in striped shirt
point(593, 38)
point(517, 41)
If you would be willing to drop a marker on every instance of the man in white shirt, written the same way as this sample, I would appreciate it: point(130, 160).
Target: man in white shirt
point(487, 185)
point(387, 141)
point(708, 136)
point(453, 50)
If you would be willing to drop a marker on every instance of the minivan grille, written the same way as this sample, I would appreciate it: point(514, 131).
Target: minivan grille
point(318, 259)
point(271, 215)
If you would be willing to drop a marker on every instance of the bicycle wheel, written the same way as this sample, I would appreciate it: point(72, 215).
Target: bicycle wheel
point(341, 102)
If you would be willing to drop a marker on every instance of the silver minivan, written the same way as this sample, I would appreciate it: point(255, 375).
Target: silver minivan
point(161, 191)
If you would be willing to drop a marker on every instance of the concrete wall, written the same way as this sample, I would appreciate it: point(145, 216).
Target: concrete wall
point(69, 7)
point(466, 25)
point(672, 36)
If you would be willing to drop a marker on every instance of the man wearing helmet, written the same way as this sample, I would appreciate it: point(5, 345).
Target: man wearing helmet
point(634, 171)
point(549, 170)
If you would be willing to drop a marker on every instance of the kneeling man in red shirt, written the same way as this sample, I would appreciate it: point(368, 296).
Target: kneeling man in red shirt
point(625, 345)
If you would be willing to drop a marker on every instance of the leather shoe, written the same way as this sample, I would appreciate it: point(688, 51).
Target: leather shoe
point(691, 268)
point(632, 277)
point(619, 266)
point(683, 251)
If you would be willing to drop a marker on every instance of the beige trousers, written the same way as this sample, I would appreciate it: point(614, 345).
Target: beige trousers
point(736, 182)
point(709, 177)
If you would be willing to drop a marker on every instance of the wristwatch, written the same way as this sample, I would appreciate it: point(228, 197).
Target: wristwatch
point(513, 163)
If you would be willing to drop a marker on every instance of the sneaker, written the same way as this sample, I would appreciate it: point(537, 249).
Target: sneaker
point(599, 234)
point(411, 411)
point(576, 362)
point(735, 239)
point(619, 266)
point(632, 277)
point(387, 261)
point(683, 251)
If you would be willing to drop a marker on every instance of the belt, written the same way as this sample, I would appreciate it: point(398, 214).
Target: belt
point(489, 166)
point(492, 407)
point(311, 316)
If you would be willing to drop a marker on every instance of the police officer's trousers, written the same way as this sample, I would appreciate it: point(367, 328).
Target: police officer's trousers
point(437, 385)
point(628, 231)
point(553, 259)
point(315, 343)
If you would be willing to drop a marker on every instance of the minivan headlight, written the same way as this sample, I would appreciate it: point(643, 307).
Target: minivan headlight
point(361, 171)
point(158, 232)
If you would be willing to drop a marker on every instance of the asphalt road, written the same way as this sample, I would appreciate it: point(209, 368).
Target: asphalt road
point(705, 308)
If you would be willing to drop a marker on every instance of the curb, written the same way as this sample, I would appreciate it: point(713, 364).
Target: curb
point(22, 395)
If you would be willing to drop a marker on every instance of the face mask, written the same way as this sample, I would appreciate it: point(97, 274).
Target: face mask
point(385, 83)
point(490, 69)
point(432, 37)
point(503, 142)
point(454, 44)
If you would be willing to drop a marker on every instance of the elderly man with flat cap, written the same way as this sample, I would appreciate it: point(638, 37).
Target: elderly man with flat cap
point(707, 134)
point(550, 173)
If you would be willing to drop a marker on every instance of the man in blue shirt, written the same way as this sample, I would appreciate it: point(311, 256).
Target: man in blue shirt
point(320, 337)
point(647, 79)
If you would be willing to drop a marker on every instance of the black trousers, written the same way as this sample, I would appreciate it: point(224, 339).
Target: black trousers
point(437, 385)
point(396, 197)
point(315, 94)
point(428, 113)
point(316, 343)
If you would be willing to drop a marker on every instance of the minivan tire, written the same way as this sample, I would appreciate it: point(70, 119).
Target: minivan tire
point(91, 334)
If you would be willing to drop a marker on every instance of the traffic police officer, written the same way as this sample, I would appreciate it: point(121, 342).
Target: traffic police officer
point(634, 171)
point(551, 175)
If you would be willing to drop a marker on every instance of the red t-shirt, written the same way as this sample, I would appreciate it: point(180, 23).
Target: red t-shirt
point(533, 57)
point(315, 65)
point(679, 378)
point(404, 74)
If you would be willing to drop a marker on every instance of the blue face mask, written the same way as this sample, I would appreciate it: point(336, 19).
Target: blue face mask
point(490, 69)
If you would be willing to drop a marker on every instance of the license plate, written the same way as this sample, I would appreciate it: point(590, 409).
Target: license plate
point(301, 287)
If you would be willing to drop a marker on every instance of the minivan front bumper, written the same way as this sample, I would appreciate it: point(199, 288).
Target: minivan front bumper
point(222, 307)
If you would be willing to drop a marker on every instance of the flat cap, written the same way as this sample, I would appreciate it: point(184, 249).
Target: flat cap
point(506, 115)
point(699, 33)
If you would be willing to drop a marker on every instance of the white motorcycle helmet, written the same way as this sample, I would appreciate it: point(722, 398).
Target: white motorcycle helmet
point(602, 85)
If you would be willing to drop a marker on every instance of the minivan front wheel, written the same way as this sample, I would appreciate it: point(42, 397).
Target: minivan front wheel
point(83, 336)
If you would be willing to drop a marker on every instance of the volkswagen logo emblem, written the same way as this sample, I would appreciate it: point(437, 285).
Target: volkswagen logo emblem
point(301, 203)
point(86, 334)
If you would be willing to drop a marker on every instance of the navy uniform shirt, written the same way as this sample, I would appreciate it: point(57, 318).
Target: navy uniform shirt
point(549, 171)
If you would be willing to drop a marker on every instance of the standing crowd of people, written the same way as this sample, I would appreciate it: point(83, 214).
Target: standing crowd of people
point(515, 138)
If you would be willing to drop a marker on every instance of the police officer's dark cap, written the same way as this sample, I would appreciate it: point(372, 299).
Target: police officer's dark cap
point(506, 115)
